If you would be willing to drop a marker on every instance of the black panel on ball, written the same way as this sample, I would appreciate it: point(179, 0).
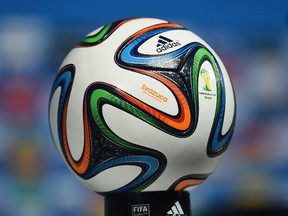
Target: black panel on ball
point(158, 203)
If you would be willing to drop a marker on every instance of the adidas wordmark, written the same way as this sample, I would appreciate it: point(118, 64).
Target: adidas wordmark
point(165, 43)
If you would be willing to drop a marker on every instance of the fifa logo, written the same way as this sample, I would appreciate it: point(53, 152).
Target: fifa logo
point(140, 210)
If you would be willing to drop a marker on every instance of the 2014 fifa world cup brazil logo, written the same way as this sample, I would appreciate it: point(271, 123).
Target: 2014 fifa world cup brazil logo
point(206, 78)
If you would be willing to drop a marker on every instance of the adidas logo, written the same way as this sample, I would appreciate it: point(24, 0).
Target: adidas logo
point(163, 40)
point(176, 210)
point(165, 43)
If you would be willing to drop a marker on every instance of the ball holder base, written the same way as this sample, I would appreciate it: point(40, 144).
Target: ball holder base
point(158, 203)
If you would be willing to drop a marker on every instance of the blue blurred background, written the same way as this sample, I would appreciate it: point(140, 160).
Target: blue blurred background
point(251, 37)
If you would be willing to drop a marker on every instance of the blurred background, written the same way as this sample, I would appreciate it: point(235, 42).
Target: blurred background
point(251, 37)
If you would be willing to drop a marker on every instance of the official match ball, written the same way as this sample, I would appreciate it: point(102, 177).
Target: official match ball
point(142, 104)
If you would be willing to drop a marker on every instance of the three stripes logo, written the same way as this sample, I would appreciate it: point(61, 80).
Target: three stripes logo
point(165, 43)
point(176, 210)
point(163, 40)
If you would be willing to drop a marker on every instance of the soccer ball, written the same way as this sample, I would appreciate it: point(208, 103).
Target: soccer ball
point(142, 105)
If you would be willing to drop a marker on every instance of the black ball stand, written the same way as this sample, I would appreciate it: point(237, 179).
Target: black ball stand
point(158, 203)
